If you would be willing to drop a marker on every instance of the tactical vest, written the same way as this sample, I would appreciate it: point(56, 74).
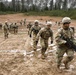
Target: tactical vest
point(36, 29)
point(6, 27)
point(46, 34)
point(66, 34)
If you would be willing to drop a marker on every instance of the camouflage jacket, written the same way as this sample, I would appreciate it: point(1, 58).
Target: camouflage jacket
point(6, 27)
point(35, 29)
point(45, 33)
point(29, 26)
point(64, 33)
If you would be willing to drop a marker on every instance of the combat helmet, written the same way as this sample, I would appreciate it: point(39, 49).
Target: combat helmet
point(66, 20)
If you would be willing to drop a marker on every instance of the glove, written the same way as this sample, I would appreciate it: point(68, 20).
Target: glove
point(51, 42)
point(30, 36)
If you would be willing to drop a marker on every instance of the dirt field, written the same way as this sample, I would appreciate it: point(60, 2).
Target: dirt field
point(16, 54)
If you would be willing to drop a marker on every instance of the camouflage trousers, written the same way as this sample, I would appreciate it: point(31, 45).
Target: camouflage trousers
point(6, 34)
point(61, 51)
point(15, 30)
point(34, 42)
point(44, 45)
point(28, 31)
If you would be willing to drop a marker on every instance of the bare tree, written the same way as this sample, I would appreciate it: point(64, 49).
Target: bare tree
point(65, 4)
point(51, 5)
point(13, 5)
point(22, 2)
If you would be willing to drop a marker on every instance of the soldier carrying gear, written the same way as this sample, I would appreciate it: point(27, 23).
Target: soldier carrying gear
point(62, 48)
point(29, 27)
point(6, 29)
point(15, 28)
point(34, 31)
point(44, 34)
point(24, 21)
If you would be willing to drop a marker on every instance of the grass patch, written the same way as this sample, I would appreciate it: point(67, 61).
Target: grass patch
point(57, 13)
point(7, 12)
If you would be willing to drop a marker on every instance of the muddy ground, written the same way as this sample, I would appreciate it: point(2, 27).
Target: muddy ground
point(16, 53)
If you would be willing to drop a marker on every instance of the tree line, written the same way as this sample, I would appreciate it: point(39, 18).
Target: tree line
point(36, 5)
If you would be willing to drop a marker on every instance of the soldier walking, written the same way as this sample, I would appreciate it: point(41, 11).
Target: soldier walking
point(62, 48)
point(15, 28)
point(33, 32)
point(44, 35)
point(29, 27)
point(6, 30)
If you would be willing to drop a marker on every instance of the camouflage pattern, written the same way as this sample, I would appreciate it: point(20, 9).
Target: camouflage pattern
point(15, 26)
point(34, 31)
point(24, 21)
point(44, 35)
point(21, 22)
point(0, 25)
point(29, 27)
point(62, 48)
point(6, 30)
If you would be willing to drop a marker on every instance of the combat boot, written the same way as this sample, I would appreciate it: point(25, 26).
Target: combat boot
point(66, 65)
point(58, 68)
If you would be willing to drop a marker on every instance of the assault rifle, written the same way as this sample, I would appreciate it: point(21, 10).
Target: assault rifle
point(69, 43)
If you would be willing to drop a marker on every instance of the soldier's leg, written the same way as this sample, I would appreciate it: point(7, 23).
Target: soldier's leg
point(14, 30)
point(44, 45)
point(28, 31)
point(34, 42)
point(5, 34)
point(70, 55)
point(59, 53)
point(17, 30)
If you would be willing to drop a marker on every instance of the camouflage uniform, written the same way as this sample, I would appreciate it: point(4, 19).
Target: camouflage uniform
point(15, 26)
point(62, 48)
point(24, 21)
point(21, 22)
point(6, 30)
point(44, 35)
point(35, 29)
point(29, 27)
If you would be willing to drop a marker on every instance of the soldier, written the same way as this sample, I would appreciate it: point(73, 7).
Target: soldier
point(29, 26)
point(24, 21)
point(35, 29)
point(6, 30)
point(15, 28)
point(59, 26)
point(45, 34)
point(21, 22)
point(0, 25)
point(62, 47)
